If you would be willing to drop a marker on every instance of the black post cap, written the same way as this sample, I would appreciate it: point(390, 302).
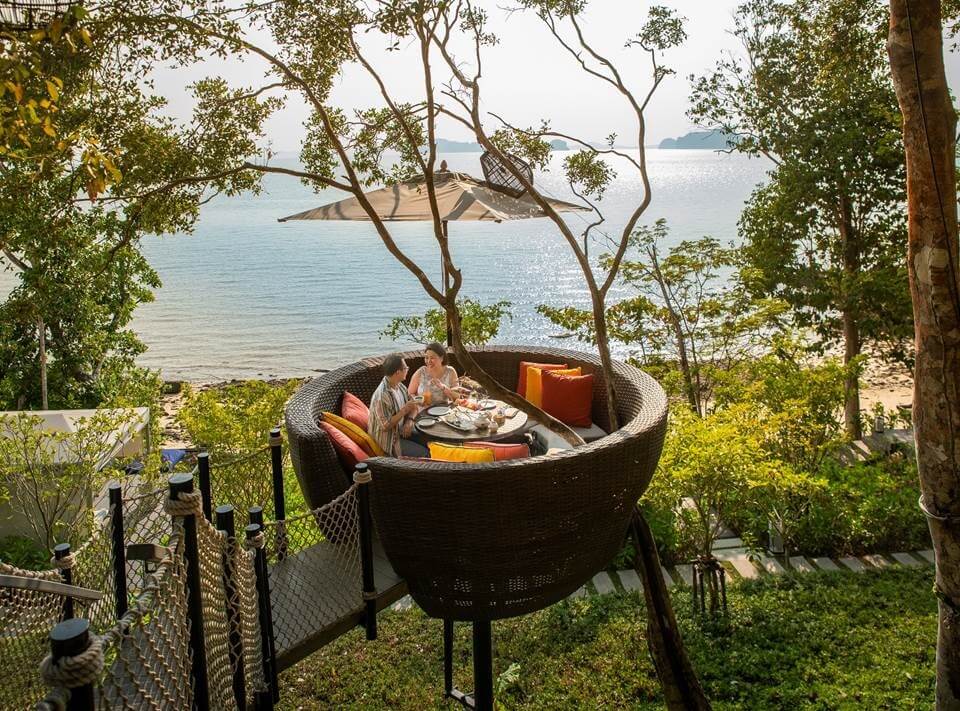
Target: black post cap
point(69, 638)
point(225, 521)
point(252, 529)
point(180, 482)
point(255, 514)
point(61, 549)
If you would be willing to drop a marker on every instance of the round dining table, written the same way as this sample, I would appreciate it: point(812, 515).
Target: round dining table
point(440, 430)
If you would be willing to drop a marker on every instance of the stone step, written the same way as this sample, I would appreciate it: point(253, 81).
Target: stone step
point(801, 564)
point(854, 564)
point(928, 554)
point(772, 566)
point(743, 566)
point(578, 593)
point(685, 572)
point(603, 583)
point(876, 560)
point(630, 580)
point(403, 604)
point(908, 560)
point(667, 580)
point(825, 564)
point(725, 543)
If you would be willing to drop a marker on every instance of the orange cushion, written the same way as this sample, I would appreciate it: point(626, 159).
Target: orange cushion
point(354, 409)
point(452, 453)
point(502, 452)
point(534, 393)
point(522, 383)
point(569, 398)
point(367, 443)
point(348, 452)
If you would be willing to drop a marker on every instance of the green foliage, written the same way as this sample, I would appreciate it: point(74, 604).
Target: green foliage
point(233, 423)
point(825, 234)
point(79, 272)
point(862, 508)
point(23, 552)
point(853, 640)
point(479, 324)
point(49, 478)
point(710, 468)
point(801, 397)
point(691, 320)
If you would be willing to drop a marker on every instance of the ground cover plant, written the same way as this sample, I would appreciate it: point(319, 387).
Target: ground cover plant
point(842, 640)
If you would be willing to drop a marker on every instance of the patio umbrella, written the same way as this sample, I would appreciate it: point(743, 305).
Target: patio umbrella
point(459, 197)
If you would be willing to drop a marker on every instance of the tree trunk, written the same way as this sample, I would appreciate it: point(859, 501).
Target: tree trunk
point(606, 363)
point(681, 688)
point(915, 45)
point(851, 384)
point(849, 316)
point(42, 332)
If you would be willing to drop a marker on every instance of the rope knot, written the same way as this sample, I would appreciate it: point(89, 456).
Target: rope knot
point(65, 563)
point(71, 672)
point(362, 477)
point(257, 541)
point(188, 504)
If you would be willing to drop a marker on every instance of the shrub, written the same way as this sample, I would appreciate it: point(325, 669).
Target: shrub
point(863, 508)
point(49, 478)
point(711, 468)
point(233, 423)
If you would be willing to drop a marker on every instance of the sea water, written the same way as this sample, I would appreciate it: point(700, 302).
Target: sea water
point(245, 296)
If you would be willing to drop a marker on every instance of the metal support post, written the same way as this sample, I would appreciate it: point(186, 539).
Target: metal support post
point(203, 479)
point(61, 551)
point(264, 701)
point(71, 638)
point(279, 505)
point(362, 478)
point(121, 601)
point(198, 650)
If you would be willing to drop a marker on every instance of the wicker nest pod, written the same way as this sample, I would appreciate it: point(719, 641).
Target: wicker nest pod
point(488, 541)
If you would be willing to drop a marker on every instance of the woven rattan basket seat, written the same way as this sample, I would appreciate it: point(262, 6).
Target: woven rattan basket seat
point(488, 541)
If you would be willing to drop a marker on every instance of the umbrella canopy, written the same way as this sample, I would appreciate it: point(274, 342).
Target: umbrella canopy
point(459, 197)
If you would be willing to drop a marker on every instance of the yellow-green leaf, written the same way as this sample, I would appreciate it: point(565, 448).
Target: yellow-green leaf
point(52, 90)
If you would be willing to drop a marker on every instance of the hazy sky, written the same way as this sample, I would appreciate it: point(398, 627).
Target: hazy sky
point(527, 77)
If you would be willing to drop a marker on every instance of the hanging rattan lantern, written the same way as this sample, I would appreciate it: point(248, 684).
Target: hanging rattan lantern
point(25, 15)
point(499, 175)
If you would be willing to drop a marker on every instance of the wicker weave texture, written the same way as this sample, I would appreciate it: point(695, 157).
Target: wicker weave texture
point(495, 540)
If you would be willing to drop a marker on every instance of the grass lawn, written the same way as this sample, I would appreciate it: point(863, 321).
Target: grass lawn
point(818, 641)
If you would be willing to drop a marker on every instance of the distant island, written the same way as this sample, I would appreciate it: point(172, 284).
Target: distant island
point(699, 139)
point(445, 146)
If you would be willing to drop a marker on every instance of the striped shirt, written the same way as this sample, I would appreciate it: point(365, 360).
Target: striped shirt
point(384, 405)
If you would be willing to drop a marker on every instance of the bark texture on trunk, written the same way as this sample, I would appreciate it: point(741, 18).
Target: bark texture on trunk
point(915, 46)
point(681, 687)
point(849, 316)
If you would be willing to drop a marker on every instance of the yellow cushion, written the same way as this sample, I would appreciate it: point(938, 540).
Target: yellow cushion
point(535, 383)
point(367, 443)
point(450, 453)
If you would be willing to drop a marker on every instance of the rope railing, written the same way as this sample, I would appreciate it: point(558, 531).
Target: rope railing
point(197, 614)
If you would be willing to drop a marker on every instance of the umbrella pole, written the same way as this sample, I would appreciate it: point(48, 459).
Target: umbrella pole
point(446, 283)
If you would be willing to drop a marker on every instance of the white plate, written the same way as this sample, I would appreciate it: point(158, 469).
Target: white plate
point(459, 424)
point(426, 422)
point(438, 410)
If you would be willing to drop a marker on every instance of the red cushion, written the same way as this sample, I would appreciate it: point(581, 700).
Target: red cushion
point(353, 408)
point(502, 452)
point(348, 451)
point(522, 383)
point(569, 398)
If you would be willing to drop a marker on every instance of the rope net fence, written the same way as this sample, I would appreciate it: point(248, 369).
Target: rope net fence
point(26, 617)
point(143, 661)
point(315, 570)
